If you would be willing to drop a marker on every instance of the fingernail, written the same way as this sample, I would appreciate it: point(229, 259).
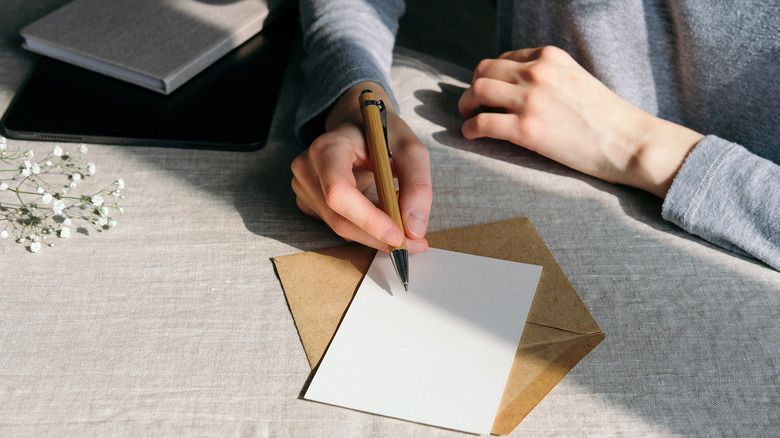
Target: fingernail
point(417, 222)
point(417, 246)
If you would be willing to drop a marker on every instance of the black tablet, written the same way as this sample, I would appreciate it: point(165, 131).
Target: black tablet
point(228, 106)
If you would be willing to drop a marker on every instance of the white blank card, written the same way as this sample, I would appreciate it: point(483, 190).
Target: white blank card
point(439, 354)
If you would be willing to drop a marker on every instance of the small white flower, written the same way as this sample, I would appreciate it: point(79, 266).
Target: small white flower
point(3, 187)
point(65, 232)
point(40, 190)
point(29, 153)
point(76, 177)
point(49, 163)
point(102, 221)
point(111, 223)
point(119, 184)
point(3, 234)
point(26, 172)
point(47, 198)
point(36, 169)
point(35, 246)
point(83, 148)
point(67, 222)
point(58, 206)
point(57, 151)
point(91, 168)
point(96, 200)
point(103, 210)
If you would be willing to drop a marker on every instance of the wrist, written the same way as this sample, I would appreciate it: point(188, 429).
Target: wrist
point(659, 154)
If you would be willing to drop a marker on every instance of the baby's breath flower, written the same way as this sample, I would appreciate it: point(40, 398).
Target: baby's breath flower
point(58, 206)
point(42, 191)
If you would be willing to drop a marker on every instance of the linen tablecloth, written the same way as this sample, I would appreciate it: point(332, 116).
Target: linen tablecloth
point(175, 324)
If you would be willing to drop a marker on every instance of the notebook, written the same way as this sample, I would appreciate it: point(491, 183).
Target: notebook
point(228, 106)
point(155, 44)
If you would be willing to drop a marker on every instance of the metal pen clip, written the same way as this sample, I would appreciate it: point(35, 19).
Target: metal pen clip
point(383, 115)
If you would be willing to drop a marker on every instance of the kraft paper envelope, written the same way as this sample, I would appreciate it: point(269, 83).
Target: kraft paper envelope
point(559, 331)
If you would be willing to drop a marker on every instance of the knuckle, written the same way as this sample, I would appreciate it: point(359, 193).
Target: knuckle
point(525, 128)
point(481, 122)
point(480, 86)
point(536, 73)
point(335, 196)
point(482, 67)
point(318, 145)
point(297, 166)
point(550, 52)
point(420, 190)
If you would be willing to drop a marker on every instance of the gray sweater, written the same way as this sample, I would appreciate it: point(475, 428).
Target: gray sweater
point(713, 66)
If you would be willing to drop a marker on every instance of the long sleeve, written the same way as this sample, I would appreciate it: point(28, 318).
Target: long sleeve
point(730, 197)
point(345, 42)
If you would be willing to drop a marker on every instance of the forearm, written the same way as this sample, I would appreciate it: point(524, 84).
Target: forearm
point(346, 42)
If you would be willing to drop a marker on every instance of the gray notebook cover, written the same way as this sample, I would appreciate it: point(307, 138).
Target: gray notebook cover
point(157, 44)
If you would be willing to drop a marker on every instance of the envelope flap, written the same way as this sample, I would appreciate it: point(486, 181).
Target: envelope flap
point(556, 303)
point(319, 286)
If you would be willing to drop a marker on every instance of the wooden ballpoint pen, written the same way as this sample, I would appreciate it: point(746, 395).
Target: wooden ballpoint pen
point(375, 126)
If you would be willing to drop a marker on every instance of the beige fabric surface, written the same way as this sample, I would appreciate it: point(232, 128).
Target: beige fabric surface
point(174, 323)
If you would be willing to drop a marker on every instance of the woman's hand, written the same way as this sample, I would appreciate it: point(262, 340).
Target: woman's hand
point(548, 103)
point(330, 176)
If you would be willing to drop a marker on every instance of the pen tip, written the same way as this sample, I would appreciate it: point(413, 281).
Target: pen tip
point(406, 287)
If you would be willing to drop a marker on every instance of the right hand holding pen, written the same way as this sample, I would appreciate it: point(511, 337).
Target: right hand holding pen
point(330, 176)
